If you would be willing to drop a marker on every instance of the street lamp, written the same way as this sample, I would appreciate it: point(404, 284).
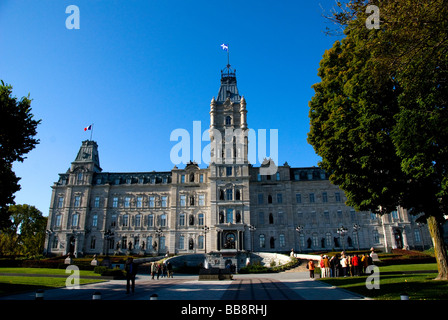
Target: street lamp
point(342, 231)
point(299, 230)
point(252, 230)
point(107, 236)
point(206, 229)
point(357, 227)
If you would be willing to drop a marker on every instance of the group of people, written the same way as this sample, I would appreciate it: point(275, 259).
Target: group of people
point(343, 266)
point(157, 270)
point(164, 270)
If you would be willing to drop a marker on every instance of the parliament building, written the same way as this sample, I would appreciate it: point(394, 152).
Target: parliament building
point(229, 206)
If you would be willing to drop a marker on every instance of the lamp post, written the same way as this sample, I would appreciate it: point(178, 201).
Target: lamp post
point(206, 229)
point(356, 228)
point(252, 230)
point(342, 231)
point(107, 236)
point(159, 233)
point(299, 230)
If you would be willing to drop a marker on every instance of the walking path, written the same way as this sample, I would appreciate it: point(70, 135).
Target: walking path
point(270, 286)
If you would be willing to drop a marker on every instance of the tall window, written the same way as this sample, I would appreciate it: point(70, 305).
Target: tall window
point(229, 193)
point(201, 242)
point(262, 241)
point(260, 198)
point(182, 219)
point(202, 200)
point(162, 243)
point(337, 197)
point(127, 202)
point(181, 242)
point(298, 198)
point(282, 241)
point(229, 216)
point(228, 121)
point(152, 202)
point(138, 219)
point(163, 220)
point(139, 202)
point(261, 217)
point(150, 220)
point(77, 201)
point(279, 198)
point(75, 219)
point(115, 202)
point(125, 220)
point(97, 202)
point(60, 202)
point(183, 200)
point(324, 197)
point(164, 201)
point(228, 171)
point(95, 220)
point(201, 219)
point(311, 197)
point(58, 220)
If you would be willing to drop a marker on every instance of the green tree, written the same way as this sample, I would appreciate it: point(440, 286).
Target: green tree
point(379, 115)
point(27, 229)
point(17, 131)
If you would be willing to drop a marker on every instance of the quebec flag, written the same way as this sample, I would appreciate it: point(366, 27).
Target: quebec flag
point(225, 47)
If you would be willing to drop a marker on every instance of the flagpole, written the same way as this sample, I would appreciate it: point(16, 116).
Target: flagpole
point(91, 133)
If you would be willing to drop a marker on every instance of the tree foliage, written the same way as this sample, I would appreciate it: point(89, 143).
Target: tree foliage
point(17, 131)
point(379, 116)
point(26, 233)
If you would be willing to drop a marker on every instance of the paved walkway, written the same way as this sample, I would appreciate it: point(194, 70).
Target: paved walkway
point(279, 286)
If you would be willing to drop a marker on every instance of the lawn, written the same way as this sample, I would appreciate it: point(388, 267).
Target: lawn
point(46, 280)
point(393, 282)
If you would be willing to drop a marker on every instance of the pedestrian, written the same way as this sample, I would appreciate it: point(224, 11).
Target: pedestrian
point(169, 269)
point(159, 270)
point(164, 270)
point(344, 264)
point(322, 266)
point(131, 271)
point(153, 269)
point(311, 268)
point(327, 267)
point(335, 265)
point(356, 265)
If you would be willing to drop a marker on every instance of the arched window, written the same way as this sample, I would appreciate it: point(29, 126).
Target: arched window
point(237, 195)
point(262, 241)
point(271, 219)
point(228, 120)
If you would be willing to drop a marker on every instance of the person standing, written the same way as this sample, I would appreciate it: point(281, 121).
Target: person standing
point(153, 269)
point(311, 268)
point(356, 265)
point(344, 264)
point(169, 269)
point(131, 272)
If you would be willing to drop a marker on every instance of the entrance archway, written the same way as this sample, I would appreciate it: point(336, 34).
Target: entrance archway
point(398, 238)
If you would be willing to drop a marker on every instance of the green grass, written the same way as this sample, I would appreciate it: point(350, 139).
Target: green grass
point(419, 286)
point(17, 284)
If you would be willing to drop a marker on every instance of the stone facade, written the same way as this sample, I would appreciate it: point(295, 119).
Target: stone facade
point(228, 206)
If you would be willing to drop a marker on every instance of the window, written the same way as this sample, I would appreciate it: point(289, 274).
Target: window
point(277, 176)
point(324, 197)
point(182, 219)
point(58, 221)
point(201, 219)
point(149, 242)
point(152, 202)
point(228, 171)
point(164, 201)
point(128, 181)
point(327, 215)
point(281, 218)
point(77, 201)
point(127, 202)
point(340, 214)
point(271, 219)
point(228, 121)
point(75, 219)
point(201, 178)
point(125, 221)
point(150, 220)
point(311, 197)
point(55, 243)
point(79, 177)
point(258, 177)
point(183, 200)
point(95, 220)
point(124, 242)
point(229, 193)
point(282, 240)
point(202, 200)
point(328, 239)
point(262, 241)
point(92, 243)
point(113, 222)
point(96, 204)
point(162, 243)
point(372, 216)
point(229, 216)
point(163, 221)
point(192, 177)
point(298, 198)
point(182, 178)
point(296, 176)
point(60, 202)
point(201, 242)
point(269, 199)
point(395, 215)
point(337, 197)
point(117, 181)
point(417, 236)
point(138, 219)
point(260, 198)
point(181, 242)
point(376, 236)
point(115, 202)
point(98, 181)
point(237, 194)
point(279, 198)
point(139, 202)
point(315, 240)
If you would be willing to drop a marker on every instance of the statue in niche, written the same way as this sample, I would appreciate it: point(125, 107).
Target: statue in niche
point(190, 244)
point(130, 245)
point(191, 220)
point(238, 217)
point(143, 245)
point(221, 217)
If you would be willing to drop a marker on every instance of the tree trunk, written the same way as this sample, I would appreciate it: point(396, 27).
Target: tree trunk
point(439, 248)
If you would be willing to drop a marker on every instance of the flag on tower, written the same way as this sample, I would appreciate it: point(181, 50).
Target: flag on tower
point(88, 128)
point(225, 47)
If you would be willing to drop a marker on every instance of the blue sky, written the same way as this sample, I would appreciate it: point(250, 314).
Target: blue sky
point(140, 69)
